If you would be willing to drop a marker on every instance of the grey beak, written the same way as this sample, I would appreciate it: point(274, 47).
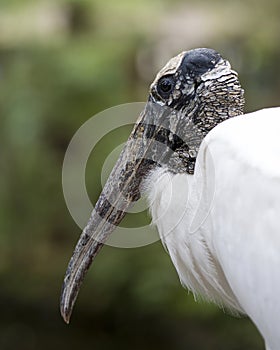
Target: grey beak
point(121, 190)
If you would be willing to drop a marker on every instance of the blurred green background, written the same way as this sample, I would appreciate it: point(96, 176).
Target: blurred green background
point(60, 63)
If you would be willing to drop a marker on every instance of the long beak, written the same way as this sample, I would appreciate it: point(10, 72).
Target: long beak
point(121, 190)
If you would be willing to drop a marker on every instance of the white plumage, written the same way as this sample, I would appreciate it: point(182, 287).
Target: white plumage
point(221, 225)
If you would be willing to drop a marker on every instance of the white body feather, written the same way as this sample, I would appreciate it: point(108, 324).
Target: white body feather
point(221, 226)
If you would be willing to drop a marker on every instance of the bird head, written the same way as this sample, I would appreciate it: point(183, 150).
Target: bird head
point(194, 92)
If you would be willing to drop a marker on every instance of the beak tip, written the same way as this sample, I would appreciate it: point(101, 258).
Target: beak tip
point(66, 320)
point(65, 306)
point(65, 313)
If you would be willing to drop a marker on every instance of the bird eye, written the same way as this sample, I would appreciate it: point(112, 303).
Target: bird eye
point(165, 86)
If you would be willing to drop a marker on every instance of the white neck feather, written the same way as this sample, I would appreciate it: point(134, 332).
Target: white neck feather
point(184, 225)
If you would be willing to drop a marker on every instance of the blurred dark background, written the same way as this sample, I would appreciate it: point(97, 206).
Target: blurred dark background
point(60, 63)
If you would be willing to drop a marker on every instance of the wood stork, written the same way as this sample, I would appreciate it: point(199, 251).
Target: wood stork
point(219, 219)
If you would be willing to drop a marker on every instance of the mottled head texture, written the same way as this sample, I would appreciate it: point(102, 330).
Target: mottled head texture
point(194, 92)
point(204, 91)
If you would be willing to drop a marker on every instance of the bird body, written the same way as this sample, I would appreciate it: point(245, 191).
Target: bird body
point(212, 177)
point(220, 225)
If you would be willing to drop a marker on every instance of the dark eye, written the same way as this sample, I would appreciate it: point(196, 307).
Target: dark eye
point(165, 86)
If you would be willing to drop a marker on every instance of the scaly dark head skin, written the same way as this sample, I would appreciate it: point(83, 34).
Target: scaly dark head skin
point(193, 93)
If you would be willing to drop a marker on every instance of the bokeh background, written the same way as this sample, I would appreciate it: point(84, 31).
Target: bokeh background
point(60, 63)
